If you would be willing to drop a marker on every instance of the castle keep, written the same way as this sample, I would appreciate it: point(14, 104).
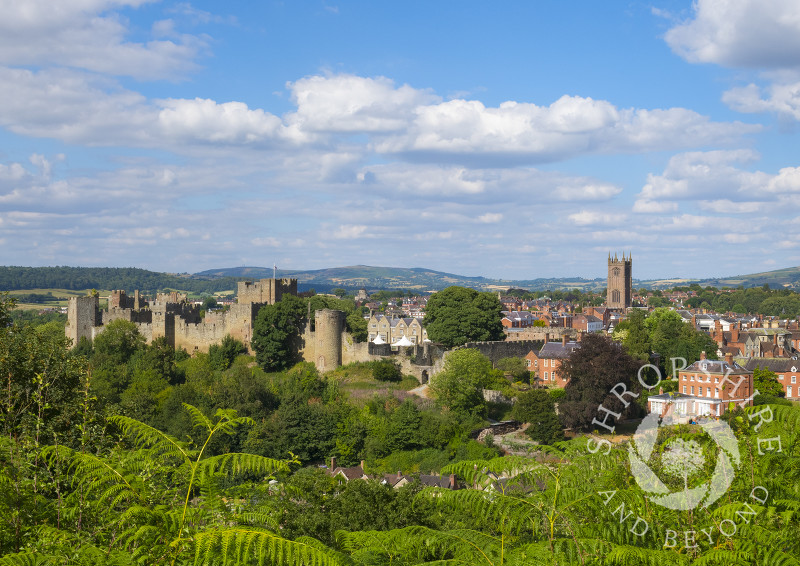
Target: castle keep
point(170, 315)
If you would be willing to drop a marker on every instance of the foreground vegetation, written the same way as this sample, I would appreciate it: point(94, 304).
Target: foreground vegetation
point(126, 453)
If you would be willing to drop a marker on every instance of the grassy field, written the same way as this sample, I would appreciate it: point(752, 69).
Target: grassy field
point(356, 380)
point(60, 297)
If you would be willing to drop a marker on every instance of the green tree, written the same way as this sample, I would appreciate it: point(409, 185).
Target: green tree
point(276, 333)
point(118, 341)
point(537, 408)
point(458, 315)
point(223, 354)
point(386, 370)
point(766, 382)
point(516, 367)
point(459, 386)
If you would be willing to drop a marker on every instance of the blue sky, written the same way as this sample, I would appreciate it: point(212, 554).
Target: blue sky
point(512, 140)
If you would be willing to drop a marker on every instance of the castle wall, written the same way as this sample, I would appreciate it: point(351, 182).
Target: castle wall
point(83, 314)
point(267, 291)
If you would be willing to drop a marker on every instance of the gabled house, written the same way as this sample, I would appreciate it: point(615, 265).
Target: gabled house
point(706, 388)
point(547, 361)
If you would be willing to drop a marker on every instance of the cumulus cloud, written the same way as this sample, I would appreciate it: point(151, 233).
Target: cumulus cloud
point(592, 217)
point(740, 33)
point(523, 132)
point(91, 35)
point(697, 174)
point(206, 120)
point(352, 104)
point(780, 98)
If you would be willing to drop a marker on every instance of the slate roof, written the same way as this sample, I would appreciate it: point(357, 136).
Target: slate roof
point(715, 366)
point(779, 365)
point(558, 350)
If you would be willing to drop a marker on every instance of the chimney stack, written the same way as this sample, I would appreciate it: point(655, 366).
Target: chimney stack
point(564, 340)
point(333, 463)
point(703, 355)
point(729, 359)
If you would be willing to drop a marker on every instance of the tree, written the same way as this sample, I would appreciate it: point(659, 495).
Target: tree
point(593, 370)
point(118, 341)
point(458, 315)
point(517, 367)
point(276, 332)
point(223, 354)
point(386, 370)
point(766, 382)
point(459, 386)
point(537, 408)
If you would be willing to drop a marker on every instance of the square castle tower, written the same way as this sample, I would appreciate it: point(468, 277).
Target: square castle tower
point(619, 288)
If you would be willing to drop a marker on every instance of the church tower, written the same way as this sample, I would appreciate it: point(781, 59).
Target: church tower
point(618, 295)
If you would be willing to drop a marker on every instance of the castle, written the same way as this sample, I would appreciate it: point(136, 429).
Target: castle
point(619, 288)
point(171, 316)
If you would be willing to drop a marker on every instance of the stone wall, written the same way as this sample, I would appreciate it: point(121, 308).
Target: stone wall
point(83, 314)
point(496, 351)
point(537, 333)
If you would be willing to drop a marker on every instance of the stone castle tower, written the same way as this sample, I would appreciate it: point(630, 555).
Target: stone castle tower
point(618, 295)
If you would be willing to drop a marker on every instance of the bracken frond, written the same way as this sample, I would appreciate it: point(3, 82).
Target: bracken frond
point(234, 546)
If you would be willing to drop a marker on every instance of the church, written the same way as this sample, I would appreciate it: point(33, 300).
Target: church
point(620, 287)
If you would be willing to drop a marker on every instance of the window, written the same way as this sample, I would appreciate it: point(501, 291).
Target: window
point(684, 389)
point(692, 389)
point(553, 376)
point(536, 363)
point(716, 392)
point(789, 391)
point(794, 379)
point(716, 380)
point(546, 364)
point(527, 363)
point(546, 376)
point(693, 376)
point(708, 392)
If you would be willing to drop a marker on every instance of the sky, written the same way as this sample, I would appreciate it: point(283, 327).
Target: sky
point(513, 140)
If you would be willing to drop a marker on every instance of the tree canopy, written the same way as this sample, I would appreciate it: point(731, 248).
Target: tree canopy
point(593, 370)
point(457, 315)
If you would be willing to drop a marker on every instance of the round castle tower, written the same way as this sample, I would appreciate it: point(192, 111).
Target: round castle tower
point(329, 325)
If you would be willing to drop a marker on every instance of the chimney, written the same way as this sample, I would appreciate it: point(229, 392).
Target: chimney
point(546, 337)
point(452, 481)
point(729, 359)
point(735, 332)
point(333, 463)
point(703, 355)
point(660, 390)
point(564, 340)
point(775, 338)
point(362, 465)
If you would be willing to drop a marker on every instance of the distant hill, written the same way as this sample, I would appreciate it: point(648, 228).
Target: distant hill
point(349, 277)
point(419, 278)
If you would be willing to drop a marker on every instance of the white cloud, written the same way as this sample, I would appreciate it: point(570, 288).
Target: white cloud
point(780, 98)
point(740, 33)
point(206, 120)
point(349, 232)
point(725, 206)
point(786, 181)
point(490, 218)
point(644, 206)
point(351, 104)
point(523, 132)
point(693, 175)
point(591, 217)
point(91, 35)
